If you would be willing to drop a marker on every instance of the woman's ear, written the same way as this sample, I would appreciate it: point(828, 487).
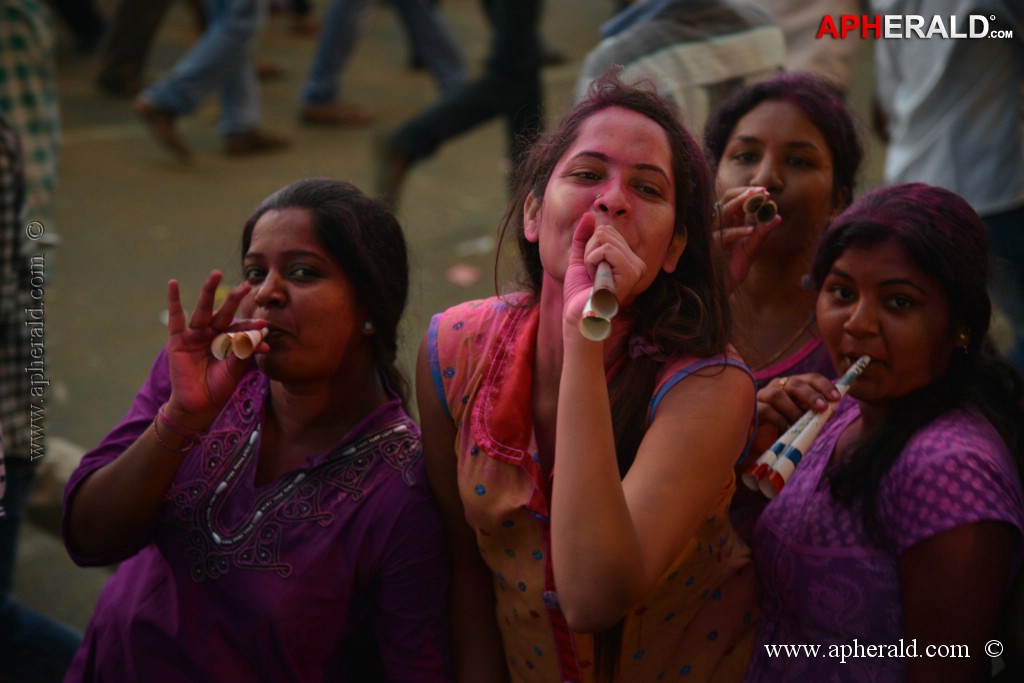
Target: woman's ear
point(962, 338)
point(675, 251)
point(531, 218)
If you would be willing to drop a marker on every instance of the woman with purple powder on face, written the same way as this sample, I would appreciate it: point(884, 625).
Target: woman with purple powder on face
point(902, 525)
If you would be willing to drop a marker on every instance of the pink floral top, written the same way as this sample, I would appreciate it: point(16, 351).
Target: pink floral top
point(698, 621)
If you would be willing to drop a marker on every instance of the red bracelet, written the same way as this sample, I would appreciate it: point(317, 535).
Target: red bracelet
point(174, 427)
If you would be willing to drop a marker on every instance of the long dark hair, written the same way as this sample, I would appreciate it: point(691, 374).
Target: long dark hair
point(366, 240)
point(685, 312)
point(946, 239)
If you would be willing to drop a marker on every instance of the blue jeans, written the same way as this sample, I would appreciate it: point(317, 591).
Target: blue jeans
point(1006, 250)
point(509, 87)
point(222, 60)
point(340, 29)
point(33, 648)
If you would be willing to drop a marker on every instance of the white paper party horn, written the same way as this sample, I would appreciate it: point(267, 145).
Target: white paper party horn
point(772, 481)
point(242, 344)
point(601, 306)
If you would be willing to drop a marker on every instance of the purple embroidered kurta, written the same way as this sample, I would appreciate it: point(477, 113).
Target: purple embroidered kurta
point(824, 582)
point(238, 582)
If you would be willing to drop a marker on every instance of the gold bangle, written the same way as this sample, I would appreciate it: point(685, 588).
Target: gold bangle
point(186, 444)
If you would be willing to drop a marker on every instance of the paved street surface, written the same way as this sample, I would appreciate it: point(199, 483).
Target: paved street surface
point(131, 218)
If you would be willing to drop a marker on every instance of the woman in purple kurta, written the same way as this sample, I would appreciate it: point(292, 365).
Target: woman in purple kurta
point(286, 531)
point(899, 534)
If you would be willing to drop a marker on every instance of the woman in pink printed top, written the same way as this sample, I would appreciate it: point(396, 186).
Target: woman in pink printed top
point(272, 517)
point(585, 483)
point(902, 525)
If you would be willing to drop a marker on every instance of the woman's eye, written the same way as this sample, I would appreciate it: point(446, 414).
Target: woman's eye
point(650, 190)
point(841, 293)
point(252, 274)
point(799, 162)
point(303, 272)
point(745, 157)
point(586, 175)
point(900, 302)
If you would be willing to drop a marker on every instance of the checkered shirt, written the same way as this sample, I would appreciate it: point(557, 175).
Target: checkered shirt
point(28, 99)
point(15, 398)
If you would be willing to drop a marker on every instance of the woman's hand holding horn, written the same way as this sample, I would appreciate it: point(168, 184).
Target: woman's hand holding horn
point(201, 383)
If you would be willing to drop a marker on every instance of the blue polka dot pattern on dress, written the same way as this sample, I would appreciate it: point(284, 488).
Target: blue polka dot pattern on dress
point(479, 489)
point(449, 372)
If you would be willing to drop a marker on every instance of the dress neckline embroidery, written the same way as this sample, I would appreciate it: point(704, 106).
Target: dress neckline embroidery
point(247, 452)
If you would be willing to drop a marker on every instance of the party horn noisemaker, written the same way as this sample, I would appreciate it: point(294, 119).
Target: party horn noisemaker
point(775, 477)
point(764, 209)
point(601, 306)
point(242, 344)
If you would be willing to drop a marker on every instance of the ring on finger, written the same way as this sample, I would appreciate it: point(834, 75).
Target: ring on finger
point(782, 382)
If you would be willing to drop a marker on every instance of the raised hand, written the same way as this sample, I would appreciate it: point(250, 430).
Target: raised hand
point(200, 383)
point(592, 244)
point(739, 234)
